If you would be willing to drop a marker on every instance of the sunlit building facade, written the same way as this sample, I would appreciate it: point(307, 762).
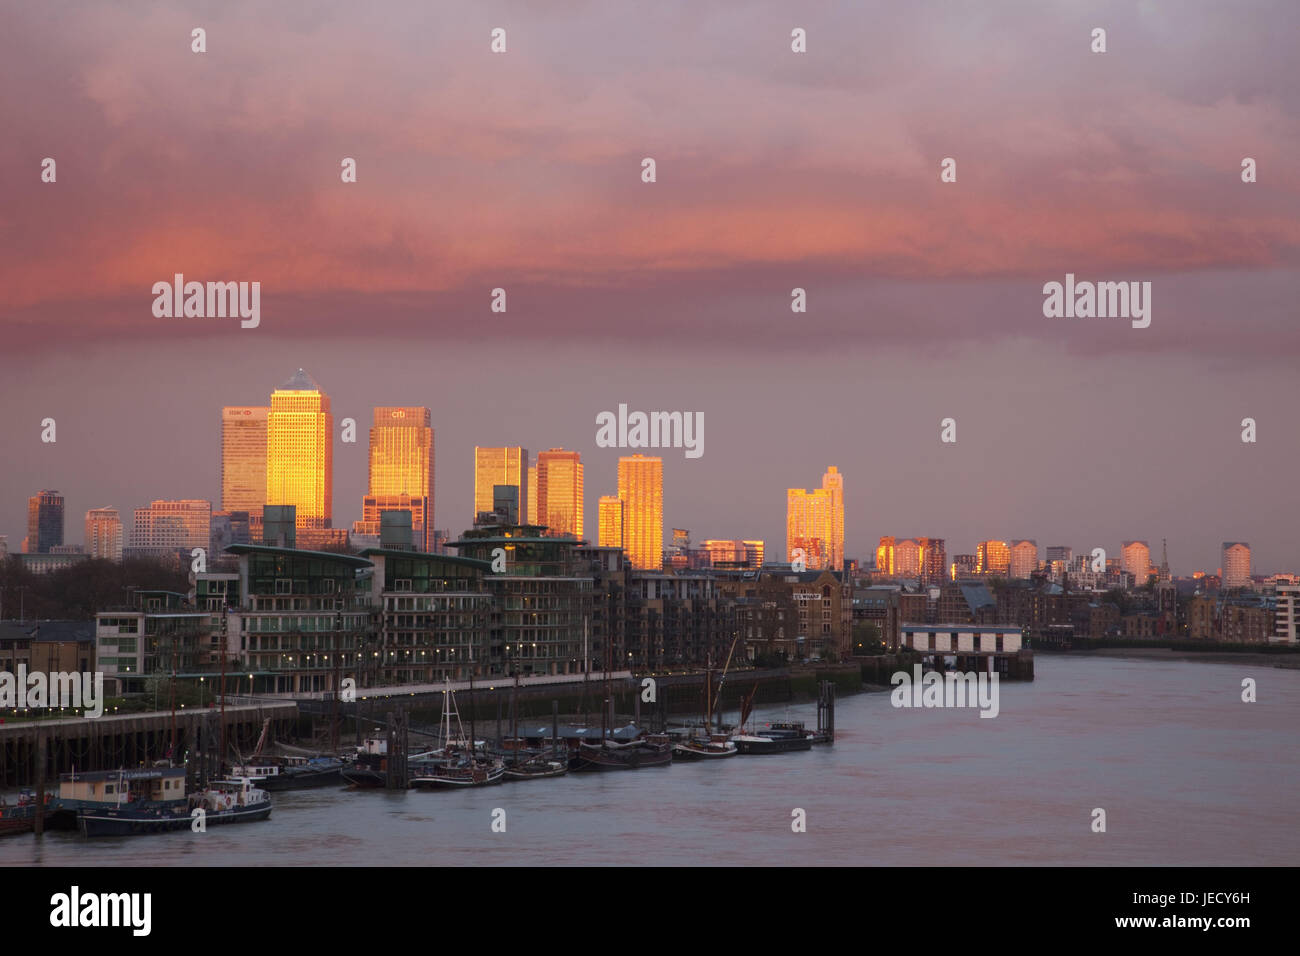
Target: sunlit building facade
point(609, 522)
point(500, 466)
point(300, 451)
point(243, 458)
point(833, 483)
point(993, 558)
point(559, 493)
point(1135, 559)
point(641, 489)
point(1236, 564)
point(814, 523)
point(885, 555)
point(1024, 558)
point(104, 534)
point(401, 472)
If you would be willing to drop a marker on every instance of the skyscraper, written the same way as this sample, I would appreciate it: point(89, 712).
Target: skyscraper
point(814, 522)
point(300, 451)
point(833, 482)
point(401, 472)
point(243, 458)
point(532, 496)
point(885, 554)
point(641, 489)
point(44, 522)
point(104, 534)
point(500, 466)
point(609, 522)
point(1236, 564)
point(559, 493)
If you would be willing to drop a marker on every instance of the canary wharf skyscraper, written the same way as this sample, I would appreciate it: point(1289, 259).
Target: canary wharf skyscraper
point(401, 472)
point(243, 458)
point(609, 522)
point(559, 492)
point(500, 466)
point(641, 489)
point(300, 451)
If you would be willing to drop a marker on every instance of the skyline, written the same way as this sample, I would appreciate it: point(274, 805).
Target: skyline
point(1182, 568)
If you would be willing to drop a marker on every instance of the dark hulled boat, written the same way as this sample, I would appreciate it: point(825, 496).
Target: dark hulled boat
point(225, 801)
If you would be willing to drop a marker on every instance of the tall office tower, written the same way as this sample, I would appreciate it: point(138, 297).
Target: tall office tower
point(934, 560)
point(1135, 558)
point(907, 558)
point(104, 534)
point(532, 496)
point(833, 482)
point(993, 558)
point(886, 555)
point(641, 489)
point(44, 522)
point(300, 452)
point(609, 522)
point(1236, 564)
point(243, 458)
point(500, 466)
point(172, 526)
point(559, 500)
point(1024, 557)
point(401, 472)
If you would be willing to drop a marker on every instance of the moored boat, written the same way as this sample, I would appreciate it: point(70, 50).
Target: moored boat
point(224, 801)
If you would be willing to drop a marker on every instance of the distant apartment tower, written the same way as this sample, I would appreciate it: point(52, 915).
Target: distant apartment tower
point(1059, 552)
point(44, 522)
point(1236, 564)
point(243, 458)
point(1288, 607)
point(300, 452)
point(104, 534)
point(401, 466)
point(641, 489)
point(168, 526)
point(609, 522)
point(1135, 559)
point(814, 523)
point(964, 566)
point(934, 560)
point(1024, 558)
point(500, 466)
point(993, 558)
point(907, 558)
point(559, 492)
point(733, 553)
point(885, 555)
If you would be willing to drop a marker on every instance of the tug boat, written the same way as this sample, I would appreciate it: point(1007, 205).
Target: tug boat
point(224, 801)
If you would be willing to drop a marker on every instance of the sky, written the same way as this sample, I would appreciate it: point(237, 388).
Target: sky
point(774, 170)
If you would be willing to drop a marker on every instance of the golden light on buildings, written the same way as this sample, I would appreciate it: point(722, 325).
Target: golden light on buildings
point(500, 466)
point(559, 492)
point(814, 522)
point(641, 490)
point(300, 451)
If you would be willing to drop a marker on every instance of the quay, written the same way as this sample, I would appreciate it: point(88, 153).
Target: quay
point(36, 751)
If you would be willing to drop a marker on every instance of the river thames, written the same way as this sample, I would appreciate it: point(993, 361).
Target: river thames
point(1187, 773)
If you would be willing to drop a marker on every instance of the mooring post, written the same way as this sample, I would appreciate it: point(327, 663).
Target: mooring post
point(40, 781)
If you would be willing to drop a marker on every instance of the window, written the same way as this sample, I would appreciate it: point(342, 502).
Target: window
point(283, 586)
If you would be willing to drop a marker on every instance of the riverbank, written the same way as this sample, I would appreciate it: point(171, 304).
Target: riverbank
point(1285, 661)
